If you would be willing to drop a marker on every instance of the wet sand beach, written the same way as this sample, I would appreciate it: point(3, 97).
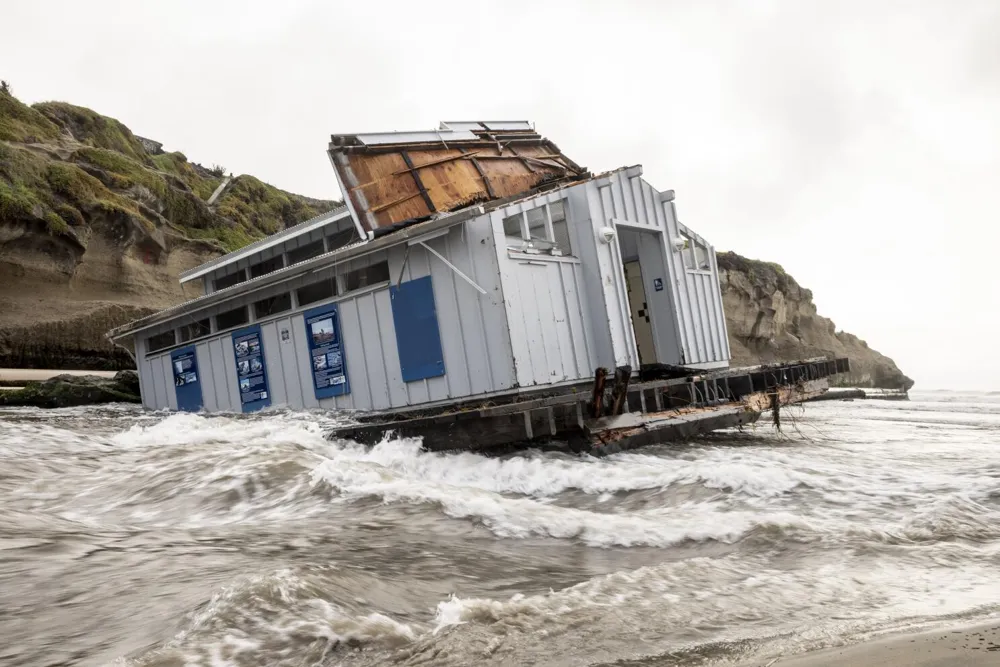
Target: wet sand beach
point(971, 646)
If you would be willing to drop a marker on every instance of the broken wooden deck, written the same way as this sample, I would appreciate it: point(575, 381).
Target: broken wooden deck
point(600, 419)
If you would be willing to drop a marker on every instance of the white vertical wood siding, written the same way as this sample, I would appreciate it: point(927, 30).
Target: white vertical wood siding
point(698, 334)
point(547, 309)
point(473, 327)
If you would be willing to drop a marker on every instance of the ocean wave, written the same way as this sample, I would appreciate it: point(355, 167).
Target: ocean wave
point(954, 517)
point(526, 517)
point(740, 597)
point(541, 475)
point(276, 619)
point(192, 430)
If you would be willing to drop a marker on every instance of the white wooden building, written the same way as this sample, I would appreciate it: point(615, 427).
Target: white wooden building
point(472, 261)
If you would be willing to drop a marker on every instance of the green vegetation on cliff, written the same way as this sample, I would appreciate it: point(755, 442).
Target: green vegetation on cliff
point(19, 122)
point(93, 129)
point(64, 167)
point(35, 188)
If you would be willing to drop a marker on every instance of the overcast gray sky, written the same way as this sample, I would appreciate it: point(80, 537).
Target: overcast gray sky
point(855, 143)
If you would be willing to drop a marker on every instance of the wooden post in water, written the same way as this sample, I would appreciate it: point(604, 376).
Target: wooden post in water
point(619, 394)
point(597, 404)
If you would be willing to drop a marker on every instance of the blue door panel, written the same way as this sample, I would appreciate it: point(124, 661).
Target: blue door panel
point(418, 338)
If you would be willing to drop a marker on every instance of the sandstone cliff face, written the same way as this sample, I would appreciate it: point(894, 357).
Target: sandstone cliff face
point(96, 225)
point(771, 318)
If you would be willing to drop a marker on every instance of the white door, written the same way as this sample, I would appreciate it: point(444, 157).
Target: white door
point(640, 314)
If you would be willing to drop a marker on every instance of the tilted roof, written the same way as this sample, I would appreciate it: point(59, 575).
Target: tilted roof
point(393, 178)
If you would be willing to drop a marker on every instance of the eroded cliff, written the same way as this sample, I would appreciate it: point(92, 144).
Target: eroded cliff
point(772, 318)
point(97, 224)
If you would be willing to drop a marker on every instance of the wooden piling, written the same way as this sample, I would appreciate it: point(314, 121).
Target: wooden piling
point(597, 403)
point(619, 394)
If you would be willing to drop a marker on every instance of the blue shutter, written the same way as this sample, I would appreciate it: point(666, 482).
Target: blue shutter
point(417, 336)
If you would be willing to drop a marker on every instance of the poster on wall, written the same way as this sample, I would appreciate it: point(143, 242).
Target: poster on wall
point(326, 352)
point(184, 364)
point(250, 369)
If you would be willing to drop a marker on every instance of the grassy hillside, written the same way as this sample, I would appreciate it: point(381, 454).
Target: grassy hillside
point(97, 224)
point(63, 167)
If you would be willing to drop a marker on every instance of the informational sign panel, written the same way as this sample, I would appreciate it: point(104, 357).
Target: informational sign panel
point(187, 384)
point(326, 351)
point(251, 371)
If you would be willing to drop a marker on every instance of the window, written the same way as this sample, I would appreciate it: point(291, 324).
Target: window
point(369, 275)
point(687, 251)
point(324, 289)
point(231, 318)
point(272, 305)
point(512, 230)
point(701, 260)
point(695, 254)
point(560, 227)
point(308, 251)
point(340, 239)
point(267, 266)
point(542, 229)
point(537, 234)
point(195, 330)
point(161, 341)
point(230, 280)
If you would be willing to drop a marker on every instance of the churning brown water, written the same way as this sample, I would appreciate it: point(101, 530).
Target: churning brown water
point(167, 540)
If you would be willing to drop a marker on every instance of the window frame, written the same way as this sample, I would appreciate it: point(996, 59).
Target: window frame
point(246, 312)
point(257, 316)
point(689, 253)
point(207, 321)
point(149, 341)
point(278, 261)
point(319, 244)
point(526, 245)
point(239, 275)
point(331, 280)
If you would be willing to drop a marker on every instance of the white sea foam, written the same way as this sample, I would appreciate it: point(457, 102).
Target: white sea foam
point(260, 619)
point(544, 475)
point(185, 429)
point(524, 517)
point(736, 592)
